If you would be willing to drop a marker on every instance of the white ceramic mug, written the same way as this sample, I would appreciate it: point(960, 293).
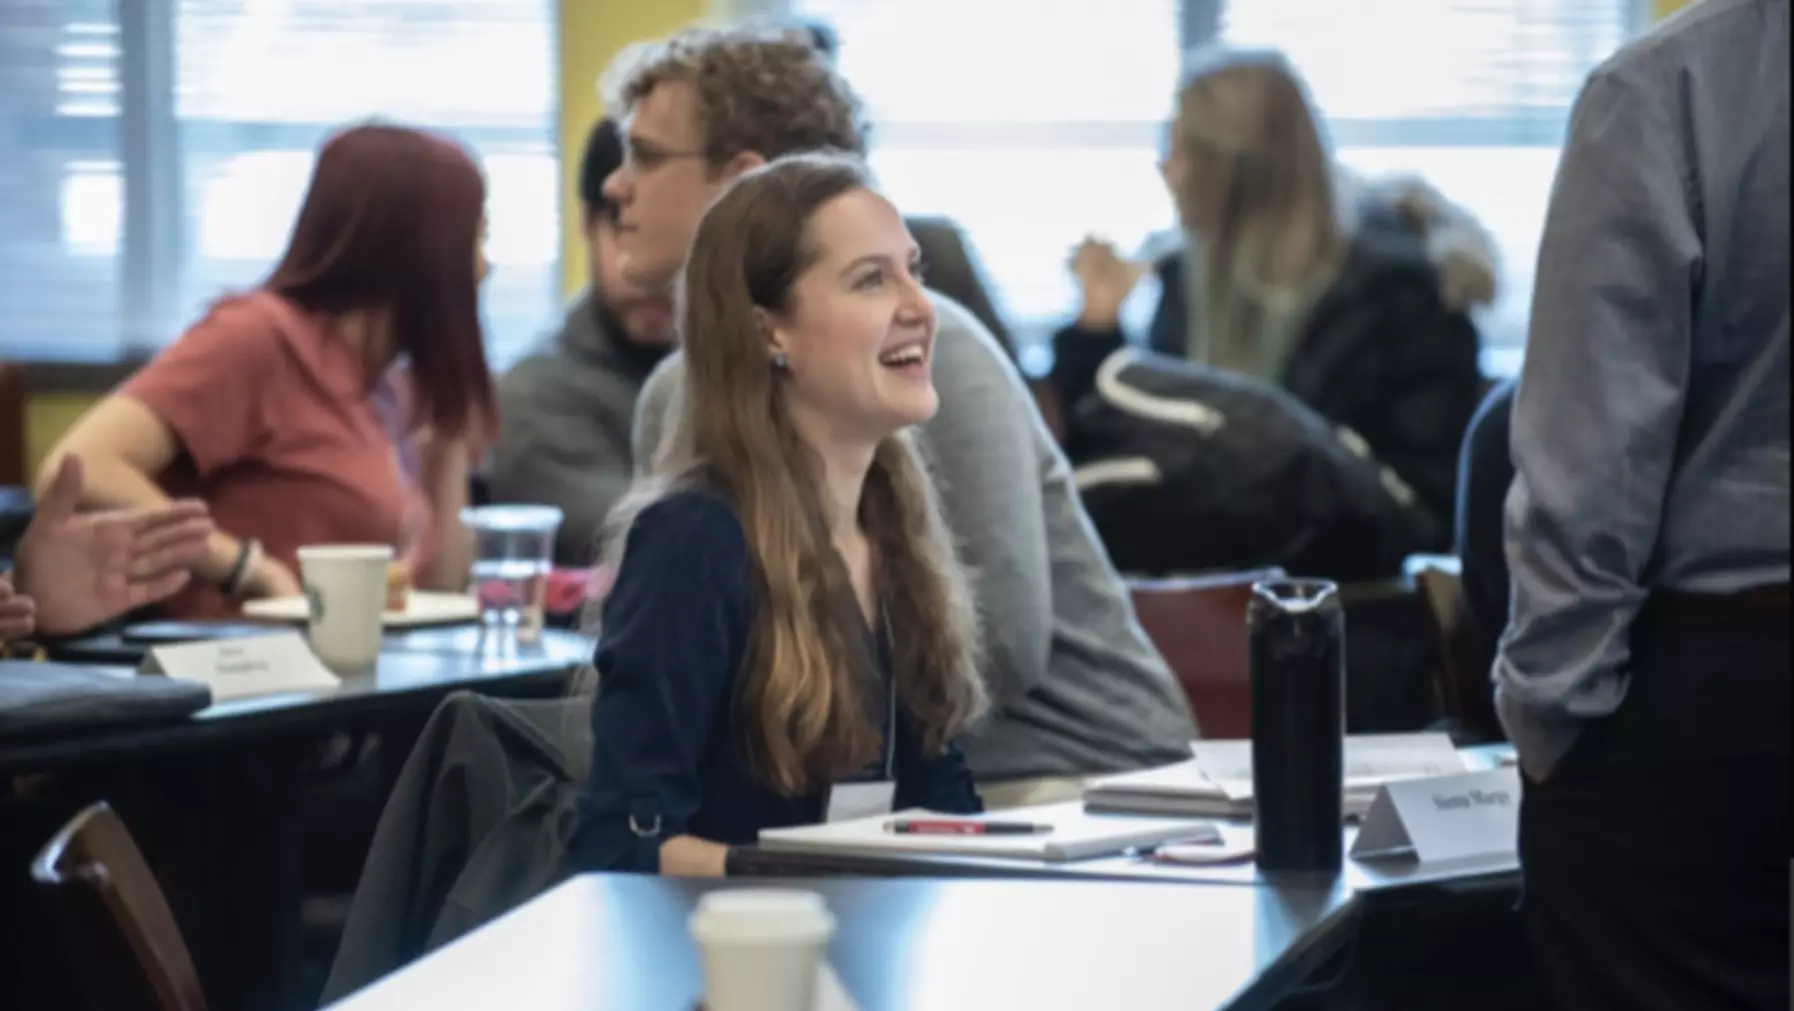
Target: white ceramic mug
point(345, 589)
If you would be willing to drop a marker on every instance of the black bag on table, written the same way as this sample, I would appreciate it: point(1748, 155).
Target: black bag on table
point(55, 698)
point(1185, 469)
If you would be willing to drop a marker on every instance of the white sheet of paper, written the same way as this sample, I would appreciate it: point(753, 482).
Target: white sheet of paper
point(270, 664)
point(1474, 814)
point(1370, 761)
point(848, 801)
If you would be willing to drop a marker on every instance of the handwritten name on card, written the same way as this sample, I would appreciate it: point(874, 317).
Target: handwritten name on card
point(272, 664)
point(1443, 818)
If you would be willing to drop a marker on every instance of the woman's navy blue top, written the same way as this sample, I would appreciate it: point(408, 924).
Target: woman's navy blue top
point(668, 739)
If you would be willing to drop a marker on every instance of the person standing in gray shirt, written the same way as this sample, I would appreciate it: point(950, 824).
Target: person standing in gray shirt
point(1077, 687)
point(1644, 674)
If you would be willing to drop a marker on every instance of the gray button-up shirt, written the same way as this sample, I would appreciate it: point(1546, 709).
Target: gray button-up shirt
point(1650, 430)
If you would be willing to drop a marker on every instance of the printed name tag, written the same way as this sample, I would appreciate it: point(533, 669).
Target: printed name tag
point(848, 801)
point(239, 668)
point(1444, 818)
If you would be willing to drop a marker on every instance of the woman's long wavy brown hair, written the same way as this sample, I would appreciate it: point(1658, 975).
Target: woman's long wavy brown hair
point(806, 683)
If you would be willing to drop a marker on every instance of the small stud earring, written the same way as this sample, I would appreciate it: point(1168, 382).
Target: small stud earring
point(780, 363)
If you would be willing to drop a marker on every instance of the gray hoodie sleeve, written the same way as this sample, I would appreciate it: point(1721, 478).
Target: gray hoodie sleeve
point(652, 409)
point(982, 447)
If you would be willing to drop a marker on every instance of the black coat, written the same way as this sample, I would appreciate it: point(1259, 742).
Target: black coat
point(1389, 350)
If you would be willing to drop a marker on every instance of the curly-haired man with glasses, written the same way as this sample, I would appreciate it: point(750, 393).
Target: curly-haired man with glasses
point(705, 106)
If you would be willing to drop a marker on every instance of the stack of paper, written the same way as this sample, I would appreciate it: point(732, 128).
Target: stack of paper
point(1217, 780)
point(1073, 834)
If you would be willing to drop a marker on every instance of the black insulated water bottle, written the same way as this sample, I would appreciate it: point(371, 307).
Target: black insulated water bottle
point(1297, 631)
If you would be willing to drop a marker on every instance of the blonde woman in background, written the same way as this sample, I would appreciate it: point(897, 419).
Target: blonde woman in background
point(1353, 298)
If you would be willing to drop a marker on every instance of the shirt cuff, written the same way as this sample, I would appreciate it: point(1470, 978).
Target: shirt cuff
point(1540, 738)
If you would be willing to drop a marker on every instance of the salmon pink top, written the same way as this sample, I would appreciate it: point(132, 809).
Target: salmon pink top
point(285, 438)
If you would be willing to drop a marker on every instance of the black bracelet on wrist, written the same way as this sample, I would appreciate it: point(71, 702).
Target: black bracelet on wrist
point(239, 570)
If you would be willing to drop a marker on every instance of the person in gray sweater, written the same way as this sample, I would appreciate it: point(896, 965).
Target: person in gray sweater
point(565, 410)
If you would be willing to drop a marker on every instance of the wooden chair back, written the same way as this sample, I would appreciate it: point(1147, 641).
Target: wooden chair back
point(1198, 624)
point(1463, 686)
point(12, 424)
point(115, 919)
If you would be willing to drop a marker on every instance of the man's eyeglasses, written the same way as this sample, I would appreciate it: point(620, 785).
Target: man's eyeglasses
point(644, 156)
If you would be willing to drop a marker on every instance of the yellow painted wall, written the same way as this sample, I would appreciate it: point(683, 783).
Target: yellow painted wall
point(47, 416)
point(1661, 9)
point(592, 33)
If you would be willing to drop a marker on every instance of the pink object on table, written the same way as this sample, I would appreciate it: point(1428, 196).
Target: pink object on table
point(569, 589)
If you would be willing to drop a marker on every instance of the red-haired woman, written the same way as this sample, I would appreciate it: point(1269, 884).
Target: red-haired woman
point(340, 401)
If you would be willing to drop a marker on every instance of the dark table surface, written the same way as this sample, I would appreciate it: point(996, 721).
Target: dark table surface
point(416, 669)
point(620, 943)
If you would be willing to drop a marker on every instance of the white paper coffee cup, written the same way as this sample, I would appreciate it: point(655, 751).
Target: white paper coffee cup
point(345, 587)
point(762, 948)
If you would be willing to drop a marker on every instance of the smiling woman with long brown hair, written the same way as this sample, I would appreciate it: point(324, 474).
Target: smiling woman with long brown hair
point(788, 624)
point(340, 400)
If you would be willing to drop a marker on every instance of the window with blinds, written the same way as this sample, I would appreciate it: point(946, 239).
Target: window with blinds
point(59, 177)
point(1472, 95)
point(242, 93)
point(1032, 125)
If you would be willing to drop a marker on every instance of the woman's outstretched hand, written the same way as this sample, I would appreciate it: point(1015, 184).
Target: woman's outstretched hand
point(82, 569)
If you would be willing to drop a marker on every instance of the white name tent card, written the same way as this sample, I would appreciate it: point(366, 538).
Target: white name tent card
point(272, 664)
point(1475, 814)
point(1217, 780)
point(850, 801)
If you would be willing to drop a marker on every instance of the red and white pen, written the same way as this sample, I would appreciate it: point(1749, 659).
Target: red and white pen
point(950, 826)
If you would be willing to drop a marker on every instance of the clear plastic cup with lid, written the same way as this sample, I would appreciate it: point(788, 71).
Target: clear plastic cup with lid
point(513, 553)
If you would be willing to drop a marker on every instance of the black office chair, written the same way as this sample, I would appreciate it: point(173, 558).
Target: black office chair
point(955, 271)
